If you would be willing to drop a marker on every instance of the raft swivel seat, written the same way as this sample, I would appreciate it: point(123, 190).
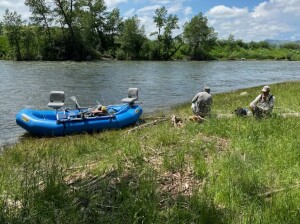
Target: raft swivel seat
point(133, 95)
point(57, 101)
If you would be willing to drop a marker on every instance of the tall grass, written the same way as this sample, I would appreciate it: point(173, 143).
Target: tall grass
point(225, 170)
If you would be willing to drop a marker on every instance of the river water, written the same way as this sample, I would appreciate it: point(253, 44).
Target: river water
point(161, 84)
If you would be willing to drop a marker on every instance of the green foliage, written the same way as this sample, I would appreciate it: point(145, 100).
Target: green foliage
point(166, 43)
point(86, 30)
point(4, 47)
point(1, 28)
point(131, 39)
point(237, 50)
point(160, 18)
point(291, 46)
point(199, 37)
point(14, 27)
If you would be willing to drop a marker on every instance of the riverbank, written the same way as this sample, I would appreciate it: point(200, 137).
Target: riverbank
point(224, 170)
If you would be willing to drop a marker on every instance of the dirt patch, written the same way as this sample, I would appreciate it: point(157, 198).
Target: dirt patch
point(179, 183)
point(172, 184)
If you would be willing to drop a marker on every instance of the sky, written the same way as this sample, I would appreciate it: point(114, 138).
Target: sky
point(248, 20)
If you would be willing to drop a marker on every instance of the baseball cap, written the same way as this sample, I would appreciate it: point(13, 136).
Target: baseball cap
point(266, 88)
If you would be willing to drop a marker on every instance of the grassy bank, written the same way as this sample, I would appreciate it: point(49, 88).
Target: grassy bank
point(225, 170)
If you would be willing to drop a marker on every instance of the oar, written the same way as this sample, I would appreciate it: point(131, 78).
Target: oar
point(98, 104)
point(75, 100)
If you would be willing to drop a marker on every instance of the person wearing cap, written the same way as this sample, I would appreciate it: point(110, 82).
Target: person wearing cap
point(263, 103)
point(201, 103)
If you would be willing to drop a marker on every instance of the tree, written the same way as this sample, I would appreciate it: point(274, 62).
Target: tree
point(68, 18)
point(13, 25)
point(91, 22)
point(291, 45)
point(168, 40)
point(199, 37)
point(165, 41)
point(1, 28)
point(160, 18)
point(231, 45)
point(132, 38)
point(41, 15)
point(112, 27)
point(29, 42)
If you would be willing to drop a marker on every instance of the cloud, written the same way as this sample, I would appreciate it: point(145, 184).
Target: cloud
point(291, 6)
point(113, 3)
point(161, 1)
point(14, 5)
point(150, 8)
point(129, 13)
point(11, 3)
point(274, 19)
point(188, 11)
point(147, 22)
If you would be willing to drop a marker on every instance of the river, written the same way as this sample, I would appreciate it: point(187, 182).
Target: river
point(161, 84)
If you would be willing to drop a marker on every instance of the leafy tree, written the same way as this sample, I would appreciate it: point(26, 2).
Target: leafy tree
point(231, 45)
point(199, 37)
point(132, 38)
point(148, 50)
point(1, 28)
point(165, 40)
point(169, 41)
point(112, 27)
point(65, 12)
point(13, 25)
point(291, 45)
point(241, 44)
point(253, 45)
point(29, 42)
point(91, 21)
point(160, 18)
point(41, 15)
point(264, 44)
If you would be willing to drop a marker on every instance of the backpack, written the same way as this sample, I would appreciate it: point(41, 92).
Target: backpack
point(240, 112)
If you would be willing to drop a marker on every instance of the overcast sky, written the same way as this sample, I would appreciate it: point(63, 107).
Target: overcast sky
point(245, 19)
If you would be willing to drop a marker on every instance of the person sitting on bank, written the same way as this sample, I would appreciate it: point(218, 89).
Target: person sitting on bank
point(201, 103)
point(263, 103)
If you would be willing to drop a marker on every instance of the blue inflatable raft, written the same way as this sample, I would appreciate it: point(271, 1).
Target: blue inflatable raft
point(68, 121)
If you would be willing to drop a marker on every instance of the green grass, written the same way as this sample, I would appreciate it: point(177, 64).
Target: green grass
point(225, 170)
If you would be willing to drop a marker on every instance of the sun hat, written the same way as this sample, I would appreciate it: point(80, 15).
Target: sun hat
point(266, 88)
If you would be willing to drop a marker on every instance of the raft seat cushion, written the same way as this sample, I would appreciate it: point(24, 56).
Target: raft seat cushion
point(57, 99)
point(132, 95)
